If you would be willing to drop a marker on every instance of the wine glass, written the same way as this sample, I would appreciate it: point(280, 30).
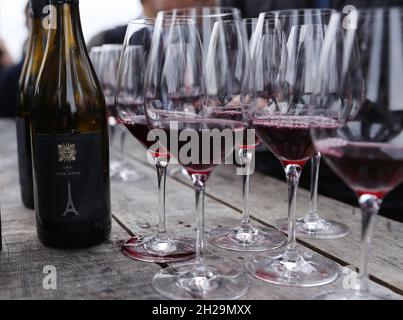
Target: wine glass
point(359, 95)
point(204, 18)
point(160, 247)
point(95, 54)
point(245, 236)
point(313, 22)
point(198, 131)
point(280, 117)
point(108, 70)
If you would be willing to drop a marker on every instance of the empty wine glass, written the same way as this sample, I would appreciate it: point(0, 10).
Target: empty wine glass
point(160, 247)
point(108, 70)
point(246, 236)
point(359, 95)
point(176, 104)
point(311, 27)
point(280, 117)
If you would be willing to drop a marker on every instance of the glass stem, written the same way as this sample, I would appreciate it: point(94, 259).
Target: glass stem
point(112, 131)
point(369, 205)
point(246, 158)
point(199, 182)
point(293, 173)
point(122, 144)
point(312, 214)
point(161, 165)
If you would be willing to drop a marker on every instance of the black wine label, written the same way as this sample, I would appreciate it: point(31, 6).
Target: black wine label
point(70, 177)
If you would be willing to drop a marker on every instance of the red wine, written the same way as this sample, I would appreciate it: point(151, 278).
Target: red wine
point(368, 168)
point(288, 137)
point(208, 149)
point(235, 114)
point(138, 127)
point(247, 138)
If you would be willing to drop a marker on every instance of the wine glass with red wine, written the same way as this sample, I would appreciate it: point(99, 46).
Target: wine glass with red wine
point(359, 95)
point(160, 247)
point(309, 26)
point(107, 67)
point(204, 17)
point(280, 117)
point(199, 134)
point(230, 86)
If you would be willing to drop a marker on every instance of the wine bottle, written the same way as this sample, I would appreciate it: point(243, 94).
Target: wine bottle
point(70, 139)
point(28, 78)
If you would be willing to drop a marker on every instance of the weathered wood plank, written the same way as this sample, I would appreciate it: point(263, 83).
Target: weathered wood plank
point(269, 202)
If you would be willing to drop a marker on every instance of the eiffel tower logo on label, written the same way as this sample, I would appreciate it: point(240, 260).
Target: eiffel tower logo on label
point(70, 208)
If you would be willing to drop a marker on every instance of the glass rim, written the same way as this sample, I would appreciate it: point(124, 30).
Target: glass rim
point(300, 12)
point(225, 11)
point(249, 20)
point(371, 11)
point(267, 19)
point(165, 21)
point(232, 21)
point(143, 21)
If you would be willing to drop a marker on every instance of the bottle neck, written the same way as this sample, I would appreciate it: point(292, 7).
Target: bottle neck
point(38, 34)
point(33, 58)
point(68, 32)
point(38, 45)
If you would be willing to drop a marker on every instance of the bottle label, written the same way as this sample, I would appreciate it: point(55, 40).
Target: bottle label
point(70, 176)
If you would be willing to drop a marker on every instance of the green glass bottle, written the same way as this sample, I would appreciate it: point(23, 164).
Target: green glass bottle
point(70, 139)
point(28, 78)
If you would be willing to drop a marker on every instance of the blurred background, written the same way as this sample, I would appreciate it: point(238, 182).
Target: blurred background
point(94, 18)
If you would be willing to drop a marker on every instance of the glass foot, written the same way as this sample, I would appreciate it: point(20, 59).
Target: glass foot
point(151, 249)
point(301, 269)
point(349, 294)
point(315, 229)
point(178, 172)
point(184, 282)
point(246, 239)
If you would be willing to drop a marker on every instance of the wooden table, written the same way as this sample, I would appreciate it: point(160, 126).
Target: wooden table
point(102, 272)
